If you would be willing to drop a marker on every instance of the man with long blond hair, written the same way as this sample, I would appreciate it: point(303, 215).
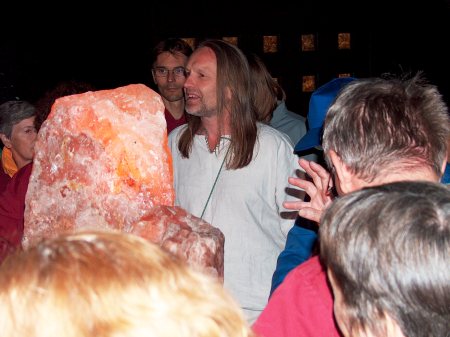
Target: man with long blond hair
point(232, 171)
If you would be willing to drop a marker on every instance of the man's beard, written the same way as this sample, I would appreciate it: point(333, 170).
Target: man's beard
point(201, 111)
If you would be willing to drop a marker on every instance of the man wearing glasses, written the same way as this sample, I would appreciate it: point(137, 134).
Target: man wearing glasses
point(169, 59)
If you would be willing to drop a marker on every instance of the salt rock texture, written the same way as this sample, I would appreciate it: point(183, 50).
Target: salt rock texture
point(102, 161)
point(185, 235)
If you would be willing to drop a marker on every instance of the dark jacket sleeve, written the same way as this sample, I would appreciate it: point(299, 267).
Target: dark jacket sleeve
point(299, 246)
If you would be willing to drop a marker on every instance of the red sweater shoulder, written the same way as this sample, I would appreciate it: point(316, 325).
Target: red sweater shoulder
point(12, 207)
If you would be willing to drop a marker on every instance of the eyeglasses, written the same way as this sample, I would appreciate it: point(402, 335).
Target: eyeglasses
point(163, 72)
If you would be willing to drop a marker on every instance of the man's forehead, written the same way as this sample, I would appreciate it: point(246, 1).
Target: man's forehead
point(168, 58)
point(203, 57)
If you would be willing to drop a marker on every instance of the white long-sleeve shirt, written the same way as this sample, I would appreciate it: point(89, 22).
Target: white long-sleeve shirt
point(245, 205)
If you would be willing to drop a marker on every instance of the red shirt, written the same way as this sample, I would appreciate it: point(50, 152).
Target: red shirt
point(12, 207)
point(173, 123)
point(301, 306)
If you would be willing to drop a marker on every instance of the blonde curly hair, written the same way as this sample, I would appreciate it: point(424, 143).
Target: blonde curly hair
point(111, 284)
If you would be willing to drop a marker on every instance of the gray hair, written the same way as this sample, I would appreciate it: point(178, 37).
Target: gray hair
point(388, 248)
point(13, 112)
point(379, 125)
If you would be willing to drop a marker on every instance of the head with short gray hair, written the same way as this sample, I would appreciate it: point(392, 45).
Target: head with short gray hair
point(387, 250)
point(377, 126)
point(13, 112)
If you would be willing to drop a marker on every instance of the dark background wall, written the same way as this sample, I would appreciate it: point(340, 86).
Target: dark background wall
point(110, 47)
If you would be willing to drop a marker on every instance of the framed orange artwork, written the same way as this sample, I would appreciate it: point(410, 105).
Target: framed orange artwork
point(231, 39)
point(308, 83)
point(270, 43)
point(344, 41)
point(308, 42)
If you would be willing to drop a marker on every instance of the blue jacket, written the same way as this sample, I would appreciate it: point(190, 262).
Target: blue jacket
point(446, 177)
point(299, 246)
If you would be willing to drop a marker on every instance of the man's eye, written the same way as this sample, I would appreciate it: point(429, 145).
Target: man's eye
point(179, 71)
point(161, 71)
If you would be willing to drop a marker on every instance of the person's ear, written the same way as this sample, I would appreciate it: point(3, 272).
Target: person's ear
point(444, 164)
point(344, 177)
point(5, 140)
point(392, 327)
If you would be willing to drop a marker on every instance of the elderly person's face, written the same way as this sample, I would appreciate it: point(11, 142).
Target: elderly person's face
point(22, 140)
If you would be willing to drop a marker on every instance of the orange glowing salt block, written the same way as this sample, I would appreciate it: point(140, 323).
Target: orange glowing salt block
point(101, 159)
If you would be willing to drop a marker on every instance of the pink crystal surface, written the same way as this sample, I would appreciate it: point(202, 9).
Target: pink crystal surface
point(102, 161)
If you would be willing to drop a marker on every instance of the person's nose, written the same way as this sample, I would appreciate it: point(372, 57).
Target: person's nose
point(188, 82)
point(170, 76)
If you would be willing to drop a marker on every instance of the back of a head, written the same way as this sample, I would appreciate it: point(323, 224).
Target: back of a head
point(13, 112)
point(388, 125)
point(388, 249)
point(109, 284)
point(64, 88)
point(265, 91)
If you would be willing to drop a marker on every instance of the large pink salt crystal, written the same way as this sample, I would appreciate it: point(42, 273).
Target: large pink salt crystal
point(185, 235)
point(102, 161)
